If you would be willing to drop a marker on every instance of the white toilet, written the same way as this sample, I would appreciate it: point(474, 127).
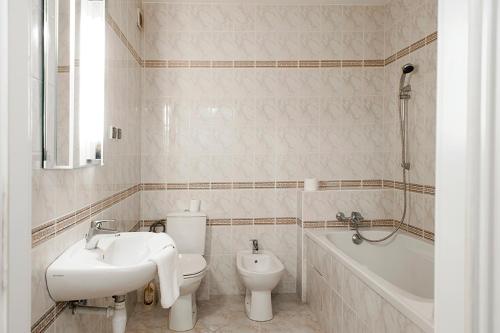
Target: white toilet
point(188, 230)
point(260, 273)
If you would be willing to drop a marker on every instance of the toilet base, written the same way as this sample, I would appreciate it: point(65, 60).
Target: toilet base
point(258, 306)
point(183, 314)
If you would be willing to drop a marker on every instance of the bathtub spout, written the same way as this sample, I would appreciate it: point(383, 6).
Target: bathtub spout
point(356, 239)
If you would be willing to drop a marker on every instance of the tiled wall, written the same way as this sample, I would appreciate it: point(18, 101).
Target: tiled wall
point(236, 216)
point(65, 200)
point(240, 103)
point(225, 241)
point(256, 94)
point(261, 124)
point(407, 23)
point(379, 202)
point(409, 37)
point(226, 102)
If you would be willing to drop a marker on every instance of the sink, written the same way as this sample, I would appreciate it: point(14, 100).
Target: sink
point(120, 264)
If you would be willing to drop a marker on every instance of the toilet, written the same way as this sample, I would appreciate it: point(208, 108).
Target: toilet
point(188, 230)
point(260, 272)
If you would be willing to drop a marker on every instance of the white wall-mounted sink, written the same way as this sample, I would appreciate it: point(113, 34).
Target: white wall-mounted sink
point(120, 264)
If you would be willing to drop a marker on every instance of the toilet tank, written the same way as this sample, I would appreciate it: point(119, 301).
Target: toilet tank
point(188, 231)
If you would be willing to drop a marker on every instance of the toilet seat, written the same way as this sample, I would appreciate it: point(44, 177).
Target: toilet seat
point(192, 265)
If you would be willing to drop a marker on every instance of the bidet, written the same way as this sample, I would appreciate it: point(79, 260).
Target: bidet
point(260, 273)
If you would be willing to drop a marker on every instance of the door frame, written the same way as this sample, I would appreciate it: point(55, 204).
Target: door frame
point(3, 159)
point(15, 165)
point(467, 272)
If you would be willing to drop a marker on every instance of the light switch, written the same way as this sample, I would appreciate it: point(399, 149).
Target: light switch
point(112, 132)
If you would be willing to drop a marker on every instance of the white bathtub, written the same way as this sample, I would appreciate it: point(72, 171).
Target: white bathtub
point(400, 270)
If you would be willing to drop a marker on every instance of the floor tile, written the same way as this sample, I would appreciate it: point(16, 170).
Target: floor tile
point(226, 314)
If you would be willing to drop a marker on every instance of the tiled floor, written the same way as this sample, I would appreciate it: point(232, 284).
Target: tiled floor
point(225, 314)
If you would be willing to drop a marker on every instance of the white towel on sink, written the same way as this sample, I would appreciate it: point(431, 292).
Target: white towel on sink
point(167, 262)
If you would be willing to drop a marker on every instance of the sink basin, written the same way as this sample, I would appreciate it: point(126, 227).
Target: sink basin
point(120, 264)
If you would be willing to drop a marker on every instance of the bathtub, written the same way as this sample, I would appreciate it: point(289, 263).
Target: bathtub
point(399, 270)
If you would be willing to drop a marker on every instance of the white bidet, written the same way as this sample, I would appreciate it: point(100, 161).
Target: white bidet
point(260, 272)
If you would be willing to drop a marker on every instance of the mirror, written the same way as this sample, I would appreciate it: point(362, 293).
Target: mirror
point(74, 83)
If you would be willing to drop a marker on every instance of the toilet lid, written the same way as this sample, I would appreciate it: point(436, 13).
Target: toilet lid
point(192, 264)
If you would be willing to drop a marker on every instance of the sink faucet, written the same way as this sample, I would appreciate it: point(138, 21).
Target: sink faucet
point(96, 232)
point(255, 246)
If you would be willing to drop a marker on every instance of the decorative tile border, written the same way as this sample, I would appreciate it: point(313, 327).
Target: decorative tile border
point(48, 317)
point(412, 48)
point(262, 63)
point(323, 185)
point(124, 39)
point(219, 185)
point(340, 224)
point(422, 233)
point(136, 227)
point(429, 235)
point(253, 221)
point(330, 63)
point(239, 221)
point(50, 229)
point(228, 221)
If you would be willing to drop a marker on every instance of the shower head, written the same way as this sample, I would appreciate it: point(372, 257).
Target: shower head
point(407, 69)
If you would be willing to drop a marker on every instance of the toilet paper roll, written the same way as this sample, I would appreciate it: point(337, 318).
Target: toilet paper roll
point(310, 184)
point(194, 205)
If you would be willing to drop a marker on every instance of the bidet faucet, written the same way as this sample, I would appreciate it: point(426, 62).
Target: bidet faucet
point(96, 232)
point(255, 246)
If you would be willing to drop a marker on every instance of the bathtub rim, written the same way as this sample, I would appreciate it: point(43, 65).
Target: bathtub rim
point(403, 301)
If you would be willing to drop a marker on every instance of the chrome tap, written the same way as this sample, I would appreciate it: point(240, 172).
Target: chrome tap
point(96, 232)
point(354, 219)
point(341, 217)
point(255, 246)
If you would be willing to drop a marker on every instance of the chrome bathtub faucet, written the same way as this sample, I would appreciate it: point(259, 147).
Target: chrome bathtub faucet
point(355, 218)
